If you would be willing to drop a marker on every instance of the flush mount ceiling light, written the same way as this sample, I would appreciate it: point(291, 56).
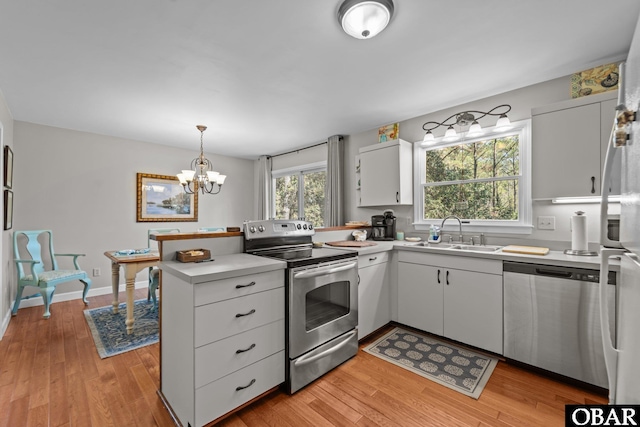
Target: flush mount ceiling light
point(364, 19)
point(464, 119)
point(201, 176)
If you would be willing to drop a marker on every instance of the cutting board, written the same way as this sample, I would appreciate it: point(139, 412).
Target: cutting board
point(351, 244)
point(530, 250)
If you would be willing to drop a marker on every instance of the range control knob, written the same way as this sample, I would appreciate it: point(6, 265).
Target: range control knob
point(252, 229)
point(299, 226)
point(304, 226)
point(261, 228)
point(310, 226)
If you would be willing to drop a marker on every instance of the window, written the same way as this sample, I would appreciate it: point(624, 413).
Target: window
point(300, 194)
point(485, 181)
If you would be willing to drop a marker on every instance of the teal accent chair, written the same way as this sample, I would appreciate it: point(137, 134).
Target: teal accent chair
point(154, 272)
point(31, 272)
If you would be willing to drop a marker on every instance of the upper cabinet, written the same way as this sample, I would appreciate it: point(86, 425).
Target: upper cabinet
point(569, 142)
point(386, 174)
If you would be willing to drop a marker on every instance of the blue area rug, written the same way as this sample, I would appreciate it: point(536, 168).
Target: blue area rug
point(110, 331)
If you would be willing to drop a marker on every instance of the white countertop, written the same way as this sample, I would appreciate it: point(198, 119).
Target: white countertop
point(552, 258)
point(222, 267)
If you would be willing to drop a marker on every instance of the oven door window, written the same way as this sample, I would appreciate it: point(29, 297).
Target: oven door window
point(326, 304)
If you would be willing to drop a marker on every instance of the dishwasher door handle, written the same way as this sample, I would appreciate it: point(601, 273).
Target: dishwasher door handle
point(553, 273)
point(610, 352)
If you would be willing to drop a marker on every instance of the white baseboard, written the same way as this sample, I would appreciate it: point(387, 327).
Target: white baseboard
point(5, 323)
point(68, 296)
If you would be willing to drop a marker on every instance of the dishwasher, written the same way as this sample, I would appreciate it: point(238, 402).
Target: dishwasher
point(552, 319)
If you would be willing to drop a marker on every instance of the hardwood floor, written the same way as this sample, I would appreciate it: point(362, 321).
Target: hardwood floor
point(51, 375)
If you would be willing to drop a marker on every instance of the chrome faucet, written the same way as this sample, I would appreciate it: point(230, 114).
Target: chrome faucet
point(459, 223)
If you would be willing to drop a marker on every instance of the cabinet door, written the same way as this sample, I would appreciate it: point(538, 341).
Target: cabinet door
point(373, 299)
point(420, 296)
point(379, 176)
point(566, 152)
point(608, 114)
point(473, 308)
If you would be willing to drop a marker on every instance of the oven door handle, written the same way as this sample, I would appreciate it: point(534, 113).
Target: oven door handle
point(309, 359)
point(324, 270)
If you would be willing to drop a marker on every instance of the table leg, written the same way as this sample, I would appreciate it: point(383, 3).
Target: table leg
point(130, 275)
point(115, 284)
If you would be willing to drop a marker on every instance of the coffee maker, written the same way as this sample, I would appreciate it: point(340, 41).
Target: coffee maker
point(383, 226)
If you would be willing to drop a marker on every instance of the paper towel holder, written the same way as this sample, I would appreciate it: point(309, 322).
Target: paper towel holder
point(580, 252)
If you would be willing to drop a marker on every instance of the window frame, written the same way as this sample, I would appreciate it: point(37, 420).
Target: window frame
point(523, 225)
point(300, 171)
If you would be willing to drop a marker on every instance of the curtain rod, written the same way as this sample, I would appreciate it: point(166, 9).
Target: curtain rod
point(300, 149)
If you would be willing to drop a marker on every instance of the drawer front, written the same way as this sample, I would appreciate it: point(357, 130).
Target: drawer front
point(372, 259)
point(459, 262)
point(220, 358)
point(220, 290)
point(222, 396)
point(223, 319)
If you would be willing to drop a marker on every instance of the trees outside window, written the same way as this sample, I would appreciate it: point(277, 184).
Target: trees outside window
point(483, 180)
point(300, 195)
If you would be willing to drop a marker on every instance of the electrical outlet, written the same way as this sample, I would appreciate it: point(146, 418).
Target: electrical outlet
point(546, 223)
point(96, 272)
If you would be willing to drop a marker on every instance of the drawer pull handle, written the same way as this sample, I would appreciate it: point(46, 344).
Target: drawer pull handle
point(246, 314)
point(251, 347)
point(246, 386)
point(245, 286)
point(373, 259)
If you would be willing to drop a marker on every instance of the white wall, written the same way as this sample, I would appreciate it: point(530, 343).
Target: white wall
point(6, 269)
point(83, 187)
point(522, 101)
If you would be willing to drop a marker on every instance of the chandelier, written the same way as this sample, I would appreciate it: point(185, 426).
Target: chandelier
point(201, 175)
point(364, 19)
point(464, 119)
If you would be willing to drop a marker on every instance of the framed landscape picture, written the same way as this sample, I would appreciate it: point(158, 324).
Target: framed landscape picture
point(8, 167)
point(8, 209)
point(161, 198)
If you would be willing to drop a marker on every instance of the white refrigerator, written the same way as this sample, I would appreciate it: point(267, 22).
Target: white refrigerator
point(622, 351)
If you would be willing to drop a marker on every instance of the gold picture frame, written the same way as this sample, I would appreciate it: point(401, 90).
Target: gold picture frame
point(161, 198)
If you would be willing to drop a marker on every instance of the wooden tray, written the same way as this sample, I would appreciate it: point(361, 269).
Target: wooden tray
point(190, 255)
point(530, 250)
point(350, 244)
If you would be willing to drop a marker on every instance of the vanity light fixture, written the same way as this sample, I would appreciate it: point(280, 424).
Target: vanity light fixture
point(467, 119)
point(201, 176)
point(364, 19)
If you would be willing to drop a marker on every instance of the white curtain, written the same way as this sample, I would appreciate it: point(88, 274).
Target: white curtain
point(333, 203)
point(264, 187)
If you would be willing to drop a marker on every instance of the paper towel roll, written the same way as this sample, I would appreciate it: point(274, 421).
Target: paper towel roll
point(579, 241)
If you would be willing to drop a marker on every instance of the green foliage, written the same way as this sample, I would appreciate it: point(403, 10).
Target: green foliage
point(287, 201)
point(473, 181)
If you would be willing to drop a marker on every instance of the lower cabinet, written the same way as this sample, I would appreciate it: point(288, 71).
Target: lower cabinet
point(374, 310)
point(453, 296)
point(222, 343)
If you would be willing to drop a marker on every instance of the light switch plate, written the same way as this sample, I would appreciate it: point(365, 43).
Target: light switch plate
point(546, 223)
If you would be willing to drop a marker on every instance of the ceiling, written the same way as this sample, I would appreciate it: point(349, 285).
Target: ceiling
point(270, 76)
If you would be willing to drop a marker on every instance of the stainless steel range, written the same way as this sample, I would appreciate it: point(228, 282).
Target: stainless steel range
point(321, 297)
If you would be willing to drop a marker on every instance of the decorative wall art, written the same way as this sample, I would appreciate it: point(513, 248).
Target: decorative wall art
point(161, 198)
point(8, 167)
point(8, 209)
point(595, 80)
point(389, 132)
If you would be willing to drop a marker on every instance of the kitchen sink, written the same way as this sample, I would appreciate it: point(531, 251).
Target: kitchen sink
point(459, 247)
point(477, 248)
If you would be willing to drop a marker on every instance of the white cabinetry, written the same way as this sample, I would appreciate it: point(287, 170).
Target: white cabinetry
point(386, 174)
point(453, 296)
point(568, 146)
point(374, 309)
point(222, 341)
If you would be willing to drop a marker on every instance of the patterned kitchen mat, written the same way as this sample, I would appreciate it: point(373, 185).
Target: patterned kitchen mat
point(109, 330)
point(457, 368)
